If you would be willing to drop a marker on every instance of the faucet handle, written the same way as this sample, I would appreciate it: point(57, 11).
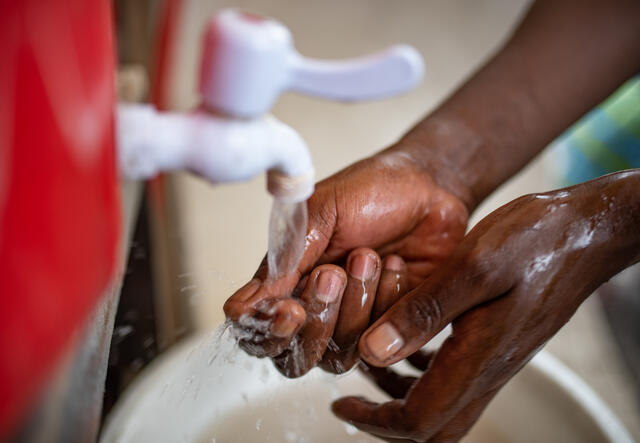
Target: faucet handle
point(249, 60)
point(389, 72)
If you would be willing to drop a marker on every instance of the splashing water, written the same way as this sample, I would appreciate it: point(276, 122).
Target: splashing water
point(216, 393)
point(287, 230)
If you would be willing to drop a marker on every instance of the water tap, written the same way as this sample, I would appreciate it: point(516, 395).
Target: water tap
point(247, 62)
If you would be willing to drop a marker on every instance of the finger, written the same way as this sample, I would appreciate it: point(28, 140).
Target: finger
point(393, 284)
point(417, 317)
point(254, 333)
point(321, 299)
point(245, 301)
point(395, 419)
point(255, 299)
point(268, 331)
point(385, 420)
point(363, 270)
point(421, 359)
point(481, 354)
point(388, 380)
point(470, 359)
point(462, 423)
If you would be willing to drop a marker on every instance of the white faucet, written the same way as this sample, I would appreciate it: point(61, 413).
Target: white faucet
point(247, 62)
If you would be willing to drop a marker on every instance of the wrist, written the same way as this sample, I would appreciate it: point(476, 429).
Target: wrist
point(450, 153)
point(601, 223)
point(620, 192)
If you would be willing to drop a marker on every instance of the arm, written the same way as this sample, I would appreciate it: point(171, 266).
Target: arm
point(515, 279)
point(564, 58)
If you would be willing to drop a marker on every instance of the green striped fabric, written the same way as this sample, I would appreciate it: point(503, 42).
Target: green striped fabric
point(605, 140)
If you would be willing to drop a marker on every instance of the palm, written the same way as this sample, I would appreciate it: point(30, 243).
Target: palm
point(393, 207)
point(394, 210)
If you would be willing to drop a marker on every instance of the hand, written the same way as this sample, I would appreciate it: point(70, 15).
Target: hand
point(386, 202)
point(339, 306)
point(515, 279)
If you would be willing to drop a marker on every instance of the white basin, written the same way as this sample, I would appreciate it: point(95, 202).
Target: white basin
point(205, 390)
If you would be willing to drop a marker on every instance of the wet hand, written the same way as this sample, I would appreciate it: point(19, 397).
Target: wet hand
point(339, 306)
point(515, 279)
point(386, 203)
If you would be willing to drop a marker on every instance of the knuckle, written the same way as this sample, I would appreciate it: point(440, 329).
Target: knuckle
point(395, 260)
point(425, 311)
point(485, 266)
point(322, 213)
point(479, 265)
point(289, 309)
point(474, 258)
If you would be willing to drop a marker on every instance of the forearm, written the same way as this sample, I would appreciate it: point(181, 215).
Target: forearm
point(565, 57)
point(600, 225)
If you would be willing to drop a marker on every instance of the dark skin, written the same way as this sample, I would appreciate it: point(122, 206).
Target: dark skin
point(507, 286)
point(515, 279)
point(432, 223)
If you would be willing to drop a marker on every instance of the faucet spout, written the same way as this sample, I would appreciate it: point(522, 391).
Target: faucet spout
point(220, 149)
point(291, 177)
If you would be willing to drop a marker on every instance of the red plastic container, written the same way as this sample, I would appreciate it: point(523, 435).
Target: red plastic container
point(59, 203)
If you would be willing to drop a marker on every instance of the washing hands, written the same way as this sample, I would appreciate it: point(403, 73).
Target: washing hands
point(505, 288)
point(316, 314)
point(387, 264)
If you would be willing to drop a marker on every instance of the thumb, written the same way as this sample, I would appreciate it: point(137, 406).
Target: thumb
point(419, 316)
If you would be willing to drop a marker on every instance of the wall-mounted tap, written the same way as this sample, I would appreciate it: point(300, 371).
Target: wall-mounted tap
point(247, 62)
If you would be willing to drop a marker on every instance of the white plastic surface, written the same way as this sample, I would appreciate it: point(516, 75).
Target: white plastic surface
point(217, 148)
point(201, 392)
point(248, 61)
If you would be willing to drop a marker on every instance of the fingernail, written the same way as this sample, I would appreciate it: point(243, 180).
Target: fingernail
point(283, 327)
point(393, 263)
point(248, 290)
point(362, 267)
point(327, 286)
point(384, 341)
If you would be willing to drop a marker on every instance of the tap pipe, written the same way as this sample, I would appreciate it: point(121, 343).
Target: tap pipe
point(220, 149)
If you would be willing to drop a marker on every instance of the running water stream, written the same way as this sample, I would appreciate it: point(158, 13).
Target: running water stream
point(287, 231)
